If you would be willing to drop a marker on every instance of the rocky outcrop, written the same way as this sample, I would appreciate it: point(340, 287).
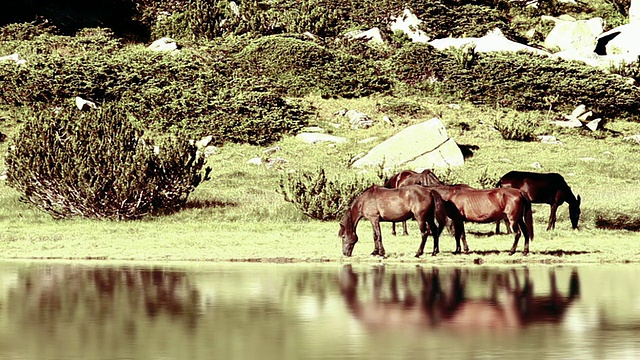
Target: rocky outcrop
point(493, 41)
point(425, 145)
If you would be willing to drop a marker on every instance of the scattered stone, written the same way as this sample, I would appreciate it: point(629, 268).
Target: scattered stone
point(210, 150)
point(549, 139)
point(387, 120)
point(454, 106)
point(492, 42)
point(508, 161)
point(255, 161)
point(271, 162)
point(13, 57)
point(272, 150)
point(313, 138)
point(164, 44)
point(593, 124)
point(373, 35)
point(204, 142)
point(536, 165)
point(85, 105)
point(587, 159)
point(409, 24)
point(635, 138)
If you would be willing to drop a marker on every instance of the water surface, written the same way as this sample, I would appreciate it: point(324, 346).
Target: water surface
point(317, 311)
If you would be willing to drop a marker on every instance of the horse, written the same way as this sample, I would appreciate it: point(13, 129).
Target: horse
point(464, 203)
point(381, 204)
point(410, 177)
point(544, 188)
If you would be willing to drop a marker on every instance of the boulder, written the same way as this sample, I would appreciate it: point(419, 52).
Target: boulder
point(409, 24)
point(425, 145)
point(493, 41)
point(164, 44)
point(634, 11)
point(572, 34)
point(622, 41)
point(357, 119)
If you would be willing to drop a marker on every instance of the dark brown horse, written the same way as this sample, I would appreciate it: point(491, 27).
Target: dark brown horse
point(463, 203)
point(378, 204)
point(544, 188)
point(410, 177)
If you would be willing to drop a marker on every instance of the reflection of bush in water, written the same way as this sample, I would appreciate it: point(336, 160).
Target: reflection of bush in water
point(66, 292)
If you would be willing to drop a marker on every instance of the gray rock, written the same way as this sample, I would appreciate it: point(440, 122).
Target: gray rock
point(85, 105)
point(424, 145)
point(409, 24)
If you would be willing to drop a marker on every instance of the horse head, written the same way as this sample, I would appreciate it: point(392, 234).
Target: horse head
point(349, 239)
point(574, 212)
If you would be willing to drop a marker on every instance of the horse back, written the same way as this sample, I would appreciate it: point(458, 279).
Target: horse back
point(537, 187)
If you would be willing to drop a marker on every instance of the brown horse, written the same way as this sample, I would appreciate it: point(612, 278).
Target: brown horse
point(410, 177)
point(463, 203)
point(381, 204)
point(544, 188)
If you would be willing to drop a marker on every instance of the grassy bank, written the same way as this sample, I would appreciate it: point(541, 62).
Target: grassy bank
point(239, 215)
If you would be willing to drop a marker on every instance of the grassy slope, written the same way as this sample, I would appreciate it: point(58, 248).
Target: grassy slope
point(240, 215)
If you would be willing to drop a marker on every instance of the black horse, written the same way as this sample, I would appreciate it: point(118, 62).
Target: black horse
point(544, 188)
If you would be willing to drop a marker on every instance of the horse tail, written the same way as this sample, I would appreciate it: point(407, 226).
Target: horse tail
point(528, 215)
point(440, 211)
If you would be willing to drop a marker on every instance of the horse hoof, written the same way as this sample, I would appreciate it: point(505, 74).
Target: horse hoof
point(511, 252)
point(419, 254)
point(525, 253)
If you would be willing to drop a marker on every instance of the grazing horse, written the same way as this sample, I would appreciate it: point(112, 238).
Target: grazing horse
point(410, 177)
point(381, 204)
point(544, 188)
point(463, 203)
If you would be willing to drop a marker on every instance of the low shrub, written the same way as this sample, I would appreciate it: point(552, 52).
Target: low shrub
point(321, 198)
point(98, 165)
point(517, 126)
point(617, 220)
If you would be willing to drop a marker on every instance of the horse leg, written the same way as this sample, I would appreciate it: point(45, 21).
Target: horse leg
point(516, 229)
point(527, 234)
point(393, 228)
point(435, 232)
point(377, 238)
point(552, 216)
point(459, 233)
point(423, 231)
point(404, 229)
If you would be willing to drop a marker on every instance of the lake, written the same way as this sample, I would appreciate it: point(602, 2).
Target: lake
point(95, 310)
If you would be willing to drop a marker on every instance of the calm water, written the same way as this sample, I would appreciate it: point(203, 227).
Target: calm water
point(271, 311)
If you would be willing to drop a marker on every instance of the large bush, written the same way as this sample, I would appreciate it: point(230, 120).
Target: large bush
point(98, 165)
point(197, 92)
point(300, 67)
point(319, 197)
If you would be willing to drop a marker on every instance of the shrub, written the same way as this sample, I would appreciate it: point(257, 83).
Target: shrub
point(516, 126)
point(97, 165)
point(525, 82)
point(309, 67)
point(616, 220)
point(320, 198)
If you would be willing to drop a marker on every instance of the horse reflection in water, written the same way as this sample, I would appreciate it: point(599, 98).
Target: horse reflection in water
point(441, 301)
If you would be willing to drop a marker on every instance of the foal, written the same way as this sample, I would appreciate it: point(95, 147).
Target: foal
point(410, 177)
point(378, 204)
point(544, 188)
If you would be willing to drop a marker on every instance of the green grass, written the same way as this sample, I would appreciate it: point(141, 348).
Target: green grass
point(239, 215)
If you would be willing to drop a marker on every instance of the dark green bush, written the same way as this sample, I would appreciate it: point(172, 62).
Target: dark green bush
point(97, 165)
point(527, 82)
point(617, 220)
point(321, 198)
